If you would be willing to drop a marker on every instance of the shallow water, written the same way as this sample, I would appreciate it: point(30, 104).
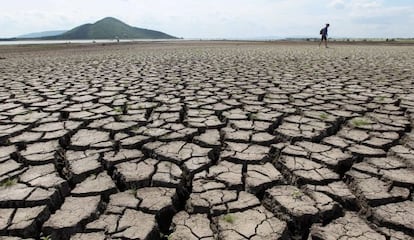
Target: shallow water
point(28, 42)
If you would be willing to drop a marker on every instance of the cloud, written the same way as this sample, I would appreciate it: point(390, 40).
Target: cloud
point(372, 18)
point(215, 18)
point(338, 4)
point(366, 4)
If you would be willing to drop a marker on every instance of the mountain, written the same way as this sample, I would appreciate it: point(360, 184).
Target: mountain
point(109, 28)
point(42, 34)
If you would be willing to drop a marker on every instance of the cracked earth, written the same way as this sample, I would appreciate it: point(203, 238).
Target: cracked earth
point(207, 141)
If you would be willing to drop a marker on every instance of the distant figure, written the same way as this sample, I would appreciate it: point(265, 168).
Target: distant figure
point(324, 33)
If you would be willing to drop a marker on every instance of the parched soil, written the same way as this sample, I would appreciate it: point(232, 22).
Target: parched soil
point(207, 140)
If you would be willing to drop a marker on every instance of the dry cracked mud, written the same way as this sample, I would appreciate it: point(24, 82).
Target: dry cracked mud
point(207, 140)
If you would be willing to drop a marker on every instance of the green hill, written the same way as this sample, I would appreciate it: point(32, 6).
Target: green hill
point(109, 28)
point(42, 34)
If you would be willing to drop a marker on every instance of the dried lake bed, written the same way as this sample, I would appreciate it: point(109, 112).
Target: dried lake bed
point(207, 140)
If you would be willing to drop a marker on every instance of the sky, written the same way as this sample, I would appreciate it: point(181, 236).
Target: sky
point(218, 18)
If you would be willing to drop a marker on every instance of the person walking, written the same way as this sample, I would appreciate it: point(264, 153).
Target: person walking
point(324, 37)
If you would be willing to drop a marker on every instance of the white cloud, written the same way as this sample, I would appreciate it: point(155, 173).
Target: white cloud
point(338, 4)
point(214, 18)
point(372, 18)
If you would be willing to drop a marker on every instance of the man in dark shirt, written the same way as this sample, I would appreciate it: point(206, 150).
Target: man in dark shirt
point(324, 33)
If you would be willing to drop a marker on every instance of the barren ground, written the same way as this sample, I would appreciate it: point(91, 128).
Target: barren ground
point(207, 140)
